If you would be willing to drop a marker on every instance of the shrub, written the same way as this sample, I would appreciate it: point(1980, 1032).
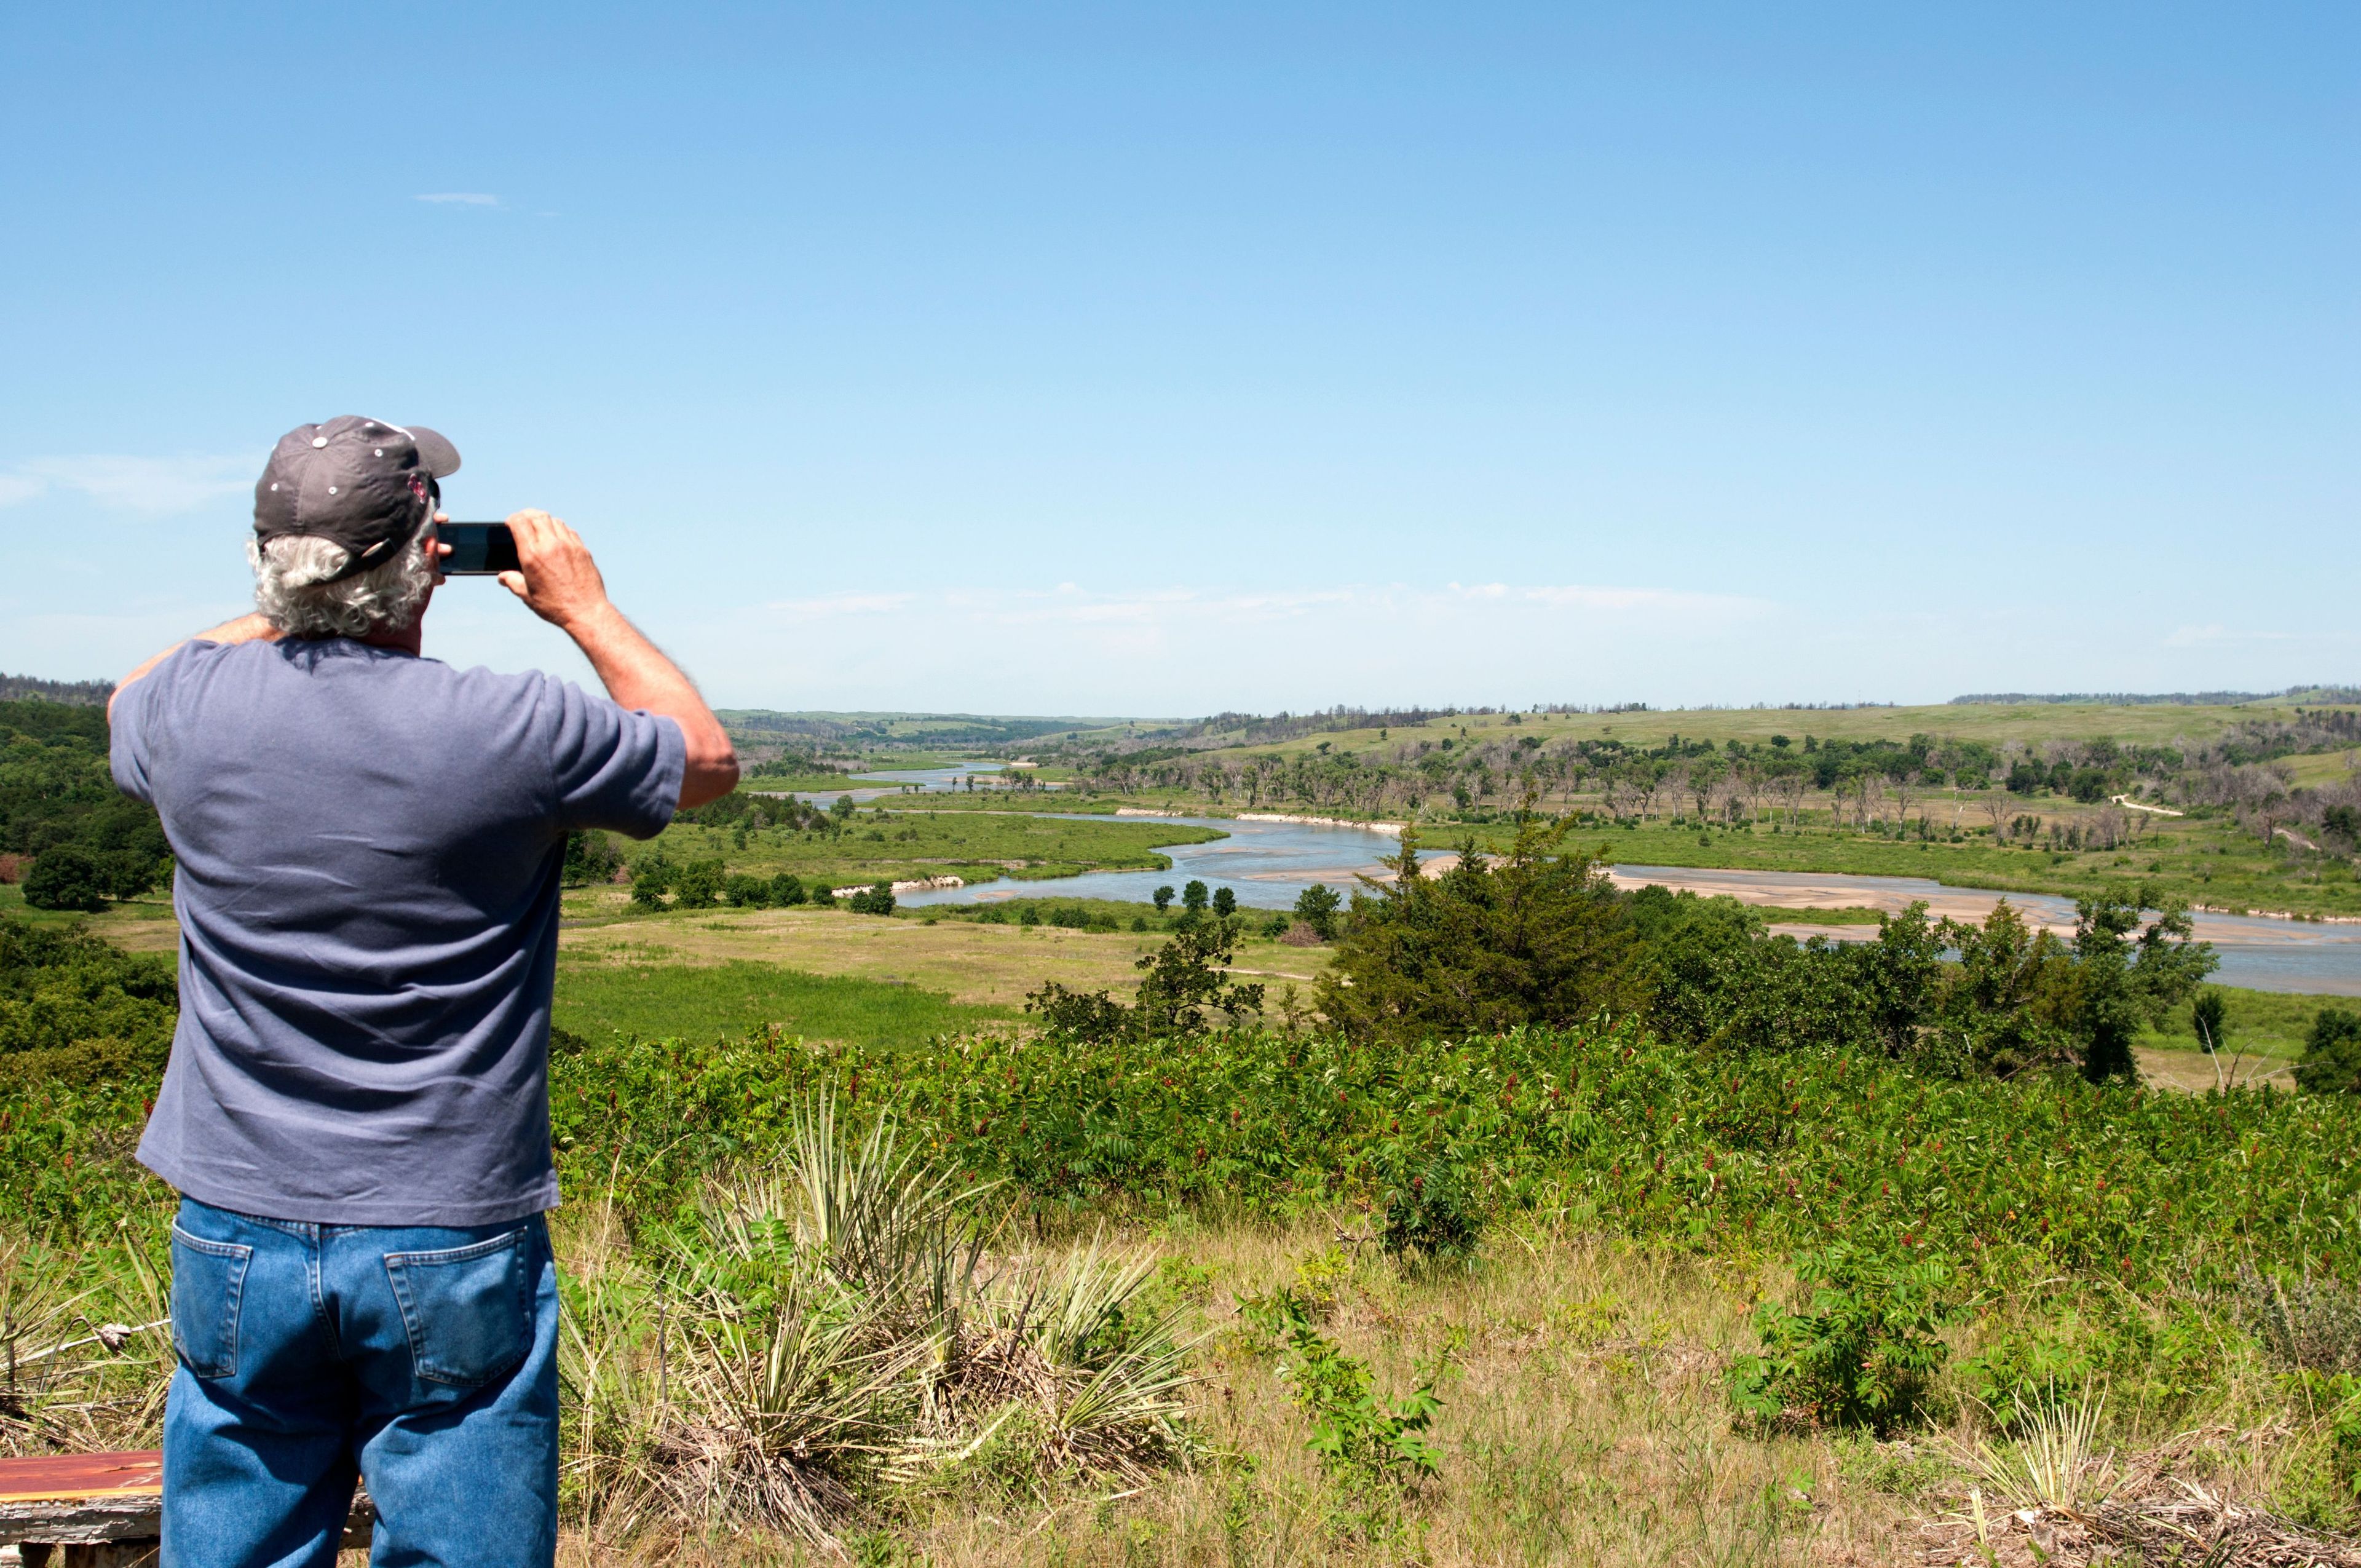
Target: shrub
point(1364, 1443)
point(1432, 1207)
point(2331, 1052)
point(2312, 1324)
point(787, 891)
point(748, 892)
point(1541, 938)
point(590, 857)
point(67, 877)
point(877, 898)
point(1183, 982)
point(1865, 1354)
point(697, 884)
point(1316, 907)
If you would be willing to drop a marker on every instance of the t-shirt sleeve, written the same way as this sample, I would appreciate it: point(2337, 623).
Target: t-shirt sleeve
point(615, 768)
point(129, 737)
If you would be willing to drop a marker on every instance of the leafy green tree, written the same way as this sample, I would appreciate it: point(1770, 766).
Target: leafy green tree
point(67, 877)
point(843, 808)
point(787, 891)
point(1540, 936)
point(2120, 981)
point(696, 885)
point(1193, 897)
point(1163, 896)
point(590, 857)
point(1994, 1016)
point(1183, 983)
point(2332, 1054)
point(747, 892)
point(1226, 902)
point(647, 892)
point(2207, 1017)
point(127, 874)
point(1316, 907)
point(875, 899)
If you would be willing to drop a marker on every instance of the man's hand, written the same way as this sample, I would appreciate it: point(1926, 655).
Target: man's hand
point(559, 582)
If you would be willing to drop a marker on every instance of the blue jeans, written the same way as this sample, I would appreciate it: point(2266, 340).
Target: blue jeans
point(421, 1358)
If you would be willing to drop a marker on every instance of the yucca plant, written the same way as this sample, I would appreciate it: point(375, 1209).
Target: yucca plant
point(885, 1220)
point(1099, 1381)
point(2054, 1462)
point(786, 1410)
point(833, 1331)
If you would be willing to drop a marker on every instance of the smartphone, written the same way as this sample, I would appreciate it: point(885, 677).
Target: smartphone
point(477, 549)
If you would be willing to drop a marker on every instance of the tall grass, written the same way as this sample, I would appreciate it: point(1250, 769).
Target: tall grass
point(836, 1328)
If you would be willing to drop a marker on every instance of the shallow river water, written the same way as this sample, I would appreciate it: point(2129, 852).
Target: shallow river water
point(1267, 864)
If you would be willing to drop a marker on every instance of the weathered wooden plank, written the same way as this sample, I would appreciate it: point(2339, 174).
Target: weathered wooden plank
point(49, 1478)
point(98, 1507)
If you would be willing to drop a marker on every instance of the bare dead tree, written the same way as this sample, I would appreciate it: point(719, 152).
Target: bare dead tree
point(1871, 787)
point(1905, 787)
point(1996, 806)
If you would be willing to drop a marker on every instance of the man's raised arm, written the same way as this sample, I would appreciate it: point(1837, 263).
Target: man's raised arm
point(245, 629)
point(561, 583)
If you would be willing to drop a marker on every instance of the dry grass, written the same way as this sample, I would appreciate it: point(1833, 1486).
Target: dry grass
point(992, 965)
point(1584, 1422)
point(839, 1332)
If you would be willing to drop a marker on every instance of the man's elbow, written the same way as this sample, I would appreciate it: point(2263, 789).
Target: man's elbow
point(709, 777)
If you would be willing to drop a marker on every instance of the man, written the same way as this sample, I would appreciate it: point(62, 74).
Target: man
point(356, 1112)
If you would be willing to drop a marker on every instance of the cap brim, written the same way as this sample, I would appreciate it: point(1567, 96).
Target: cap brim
point(435, 454)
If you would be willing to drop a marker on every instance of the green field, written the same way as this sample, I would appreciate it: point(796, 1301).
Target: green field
point(2197, 861)
point(893, 844)
point(728, 1000)
point(2143, 723)
point(2259, 1023)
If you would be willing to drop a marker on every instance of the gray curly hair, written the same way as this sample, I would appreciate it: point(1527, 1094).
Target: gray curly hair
point(291, 592)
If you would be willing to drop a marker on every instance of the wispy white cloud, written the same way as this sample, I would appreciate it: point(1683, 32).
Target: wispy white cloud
point(155, 486)
point(461, 197)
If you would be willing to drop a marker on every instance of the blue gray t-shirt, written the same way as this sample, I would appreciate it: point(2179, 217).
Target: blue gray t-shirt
point(369, 848)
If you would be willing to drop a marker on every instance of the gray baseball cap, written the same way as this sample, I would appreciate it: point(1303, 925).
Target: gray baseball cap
point(366, 484)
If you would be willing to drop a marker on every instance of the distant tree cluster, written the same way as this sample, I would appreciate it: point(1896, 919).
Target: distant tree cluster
point(76, 1009)
point(77, 694)
point(88, 843)
point(1540, 935)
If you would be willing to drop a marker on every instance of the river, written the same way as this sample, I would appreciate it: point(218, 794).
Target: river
point(1266, 864)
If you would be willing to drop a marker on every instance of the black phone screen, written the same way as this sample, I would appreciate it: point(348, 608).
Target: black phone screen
point(477, 549)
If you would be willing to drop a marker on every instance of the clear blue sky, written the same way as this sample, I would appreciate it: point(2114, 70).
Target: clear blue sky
point(1163, 359)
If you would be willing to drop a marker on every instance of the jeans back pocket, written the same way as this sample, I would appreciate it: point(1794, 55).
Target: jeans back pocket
point(468, 1309)
point(208, 1278)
